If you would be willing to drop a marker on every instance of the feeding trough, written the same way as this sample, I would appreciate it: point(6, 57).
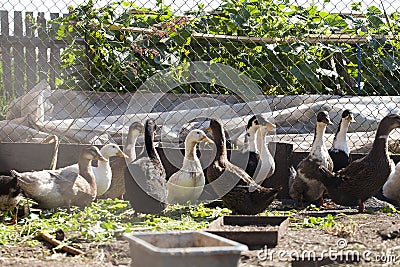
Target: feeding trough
point(254, 231)
point(182, 249)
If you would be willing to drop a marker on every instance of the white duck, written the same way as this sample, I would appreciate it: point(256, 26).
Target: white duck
point(187, 184)
point(391, 189)
point(102, 172)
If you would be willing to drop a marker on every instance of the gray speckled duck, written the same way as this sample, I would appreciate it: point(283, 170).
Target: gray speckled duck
point(306, 185)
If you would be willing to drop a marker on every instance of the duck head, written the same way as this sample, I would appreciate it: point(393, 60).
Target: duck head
point(387, 124)
point(150, 127)
point(252, 126)
point(197, 136)
point(217, 130)
point(323, 118)
point(347, 115)
point(111, 150)
point(92, 153)
point(136, 129)
point(267, 127)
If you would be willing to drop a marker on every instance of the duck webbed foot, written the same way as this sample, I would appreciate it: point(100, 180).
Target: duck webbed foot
point(14, 220)
point(320, 201)
point(361, 206)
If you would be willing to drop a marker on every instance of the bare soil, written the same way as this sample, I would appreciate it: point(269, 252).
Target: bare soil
point(355, 236)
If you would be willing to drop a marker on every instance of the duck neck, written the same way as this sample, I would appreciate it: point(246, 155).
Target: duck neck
point(220, 143)
point(149, 144)
point(190, 150)
point(380, 145)
point(85, 170)
point(191, 158)
point(130, 146)
point(252, 141)
point(104, 165)
point(340, 140)
point(319, 143)
point(261, 144)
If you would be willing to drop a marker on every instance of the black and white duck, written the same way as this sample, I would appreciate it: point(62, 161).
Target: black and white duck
point(340, 151)
point(187, 183)
point(260, 163)
point(10, 195)
point(236, 188)
point(145, 177)
point(363, 178)
point(62, 188)
point(306, 185)
point(118, 165)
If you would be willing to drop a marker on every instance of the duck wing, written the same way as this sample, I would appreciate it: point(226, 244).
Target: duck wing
point(145, 186)
point(224, 179)
point(245, 200)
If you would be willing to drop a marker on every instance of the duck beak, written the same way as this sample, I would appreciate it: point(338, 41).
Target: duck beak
point(270, 126)
point(101, 158)
point(207, 140)
point(351, 118)
point(122, 154)
point(328, 121)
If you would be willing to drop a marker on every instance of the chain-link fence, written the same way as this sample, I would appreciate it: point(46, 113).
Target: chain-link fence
point(85, 72)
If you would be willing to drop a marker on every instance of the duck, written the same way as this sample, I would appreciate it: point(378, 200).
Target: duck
point(10, 195)
point(391, 188)
point(62, 187)
point(260, 164)
point(339, 151)
point(102, 172)
point(187, 183)
point(236, 188)
point(364, 177)
point(117, 187)
point(145, 177)
point(306, 186)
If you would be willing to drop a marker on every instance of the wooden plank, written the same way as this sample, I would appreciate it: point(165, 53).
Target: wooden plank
point(43, 67)
point(19, 58)
point(54, 54)
point(31, 64)
point(6, 55)
point(310, 38)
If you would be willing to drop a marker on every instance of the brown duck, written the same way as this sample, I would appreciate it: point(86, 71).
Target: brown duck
point(363, 178)
point(118, 165)
point(237, 189)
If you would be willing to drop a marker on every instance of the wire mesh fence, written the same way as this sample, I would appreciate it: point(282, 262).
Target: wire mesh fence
point(86, 72)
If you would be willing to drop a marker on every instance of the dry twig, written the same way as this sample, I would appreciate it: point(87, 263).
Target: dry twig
point(57, 243)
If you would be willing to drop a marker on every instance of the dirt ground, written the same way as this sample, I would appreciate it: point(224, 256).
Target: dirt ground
point(355, 236)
